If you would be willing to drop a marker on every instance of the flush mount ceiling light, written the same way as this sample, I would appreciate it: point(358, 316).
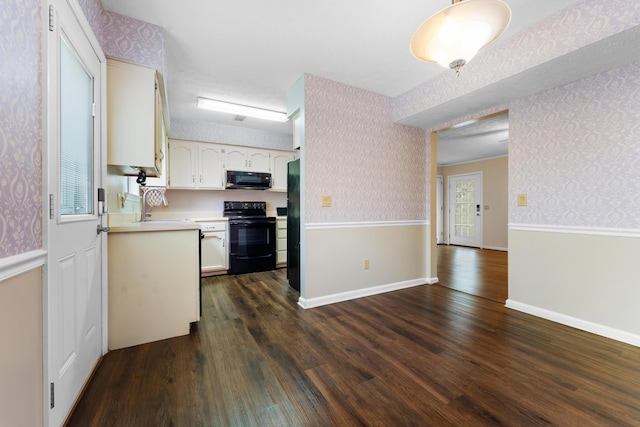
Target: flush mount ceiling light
point(455, 34)
point(241, 110)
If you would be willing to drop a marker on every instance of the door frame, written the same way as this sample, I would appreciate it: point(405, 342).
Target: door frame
point(49, 110)
point(440, 209)
point(432, 178)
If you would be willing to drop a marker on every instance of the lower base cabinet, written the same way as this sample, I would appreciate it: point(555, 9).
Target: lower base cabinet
point(281, 242)
point(154, 281)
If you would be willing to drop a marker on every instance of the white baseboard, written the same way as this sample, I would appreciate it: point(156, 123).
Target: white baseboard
point(19, 264)
point(346, 296)
point(574, 322)
point(496, 248)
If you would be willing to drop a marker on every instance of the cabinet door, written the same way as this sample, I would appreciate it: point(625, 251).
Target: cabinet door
point(236, 159)
point(131, 108)
point(279, 161)
point(210, 160)
point(182, 164)
point(214, 252)
point(258, 160)
point(159, 132)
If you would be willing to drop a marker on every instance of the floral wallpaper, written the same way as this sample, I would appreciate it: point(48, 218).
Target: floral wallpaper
point(92, 10)
point(20, 127)
point(124, 37)
point(575, 152)
point(373, 169)
point(133, 40)
point(211, 132)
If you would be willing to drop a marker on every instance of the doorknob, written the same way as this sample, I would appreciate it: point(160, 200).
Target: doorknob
point(101, 229)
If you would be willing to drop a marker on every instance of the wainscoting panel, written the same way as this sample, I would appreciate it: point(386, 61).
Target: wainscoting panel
point(586, 278)
point(337, 254)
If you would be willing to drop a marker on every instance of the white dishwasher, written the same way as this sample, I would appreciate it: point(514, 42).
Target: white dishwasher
point(214, 256)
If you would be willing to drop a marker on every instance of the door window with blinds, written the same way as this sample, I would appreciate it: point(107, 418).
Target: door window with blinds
point(76, 135)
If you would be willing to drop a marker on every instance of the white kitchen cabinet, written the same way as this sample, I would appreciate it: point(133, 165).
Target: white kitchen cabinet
point(135, 119)
point(278, 169)
point(210, 165)
point(161, 180)
point(239, 158)
point(153, 285)
point(281, 241)
point(195, 165)
point(214, 250)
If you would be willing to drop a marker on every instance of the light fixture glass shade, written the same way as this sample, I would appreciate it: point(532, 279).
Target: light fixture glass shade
point(455, 34)
point(241, 110)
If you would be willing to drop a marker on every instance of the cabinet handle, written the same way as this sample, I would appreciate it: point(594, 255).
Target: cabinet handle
point(193, 178)
point(200, 179)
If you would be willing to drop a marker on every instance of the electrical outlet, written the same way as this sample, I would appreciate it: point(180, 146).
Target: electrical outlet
point(366, 263)
point(326, 201)
point(522, 200)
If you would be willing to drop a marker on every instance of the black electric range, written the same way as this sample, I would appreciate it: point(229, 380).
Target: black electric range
point(252, 237)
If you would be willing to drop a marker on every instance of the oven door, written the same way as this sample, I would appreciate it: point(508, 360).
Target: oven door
point(252, 245)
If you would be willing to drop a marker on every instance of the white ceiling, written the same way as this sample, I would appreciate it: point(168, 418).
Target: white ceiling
point(473, 140)
point(252, 51)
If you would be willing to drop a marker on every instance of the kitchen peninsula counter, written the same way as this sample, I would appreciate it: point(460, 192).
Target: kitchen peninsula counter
point(154, 280)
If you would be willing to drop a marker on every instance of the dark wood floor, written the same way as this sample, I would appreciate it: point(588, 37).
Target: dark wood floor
point(424, 356)
point(480, 272)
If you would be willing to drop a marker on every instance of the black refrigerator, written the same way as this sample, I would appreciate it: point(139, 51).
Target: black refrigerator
point(293, 224)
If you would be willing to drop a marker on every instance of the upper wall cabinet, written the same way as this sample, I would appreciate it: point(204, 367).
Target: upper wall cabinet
point(279, 161)
point(195, 165)
point(203, 165)
point(247, 159)
point(135, 119)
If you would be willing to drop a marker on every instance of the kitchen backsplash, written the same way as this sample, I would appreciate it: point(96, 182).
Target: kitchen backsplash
point(124, 203)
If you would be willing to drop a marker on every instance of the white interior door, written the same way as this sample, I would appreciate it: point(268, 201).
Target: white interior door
point(465, 213)
point(75, 248)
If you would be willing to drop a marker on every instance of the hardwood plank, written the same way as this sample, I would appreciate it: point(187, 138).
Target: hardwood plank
point(479, 272)
point(427, 355)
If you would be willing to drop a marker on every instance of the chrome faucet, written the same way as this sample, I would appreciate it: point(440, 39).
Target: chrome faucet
point(143, 212)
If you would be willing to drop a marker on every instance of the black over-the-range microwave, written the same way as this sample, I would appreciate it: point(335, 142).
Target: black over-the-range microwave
point(243, 180)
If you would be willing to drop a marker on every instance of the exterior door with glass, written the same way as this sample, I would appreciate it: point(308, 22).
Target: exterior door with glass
point(465, 213)
point(73, 296)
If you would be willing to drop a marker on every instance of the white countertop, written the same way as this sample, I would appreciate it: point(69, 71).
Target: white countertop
point(155, 225)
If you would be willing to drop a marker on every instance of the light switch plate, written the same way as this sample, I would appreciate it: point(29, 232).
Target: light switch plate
point(326, 201)
point(522, 200)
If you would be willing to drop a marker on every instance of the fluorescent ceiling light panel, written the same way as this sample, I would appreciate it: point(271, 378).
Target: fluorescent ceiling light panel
point(242, 110)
